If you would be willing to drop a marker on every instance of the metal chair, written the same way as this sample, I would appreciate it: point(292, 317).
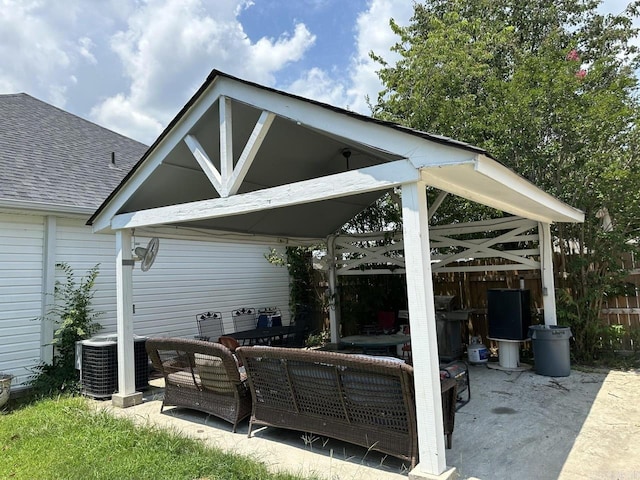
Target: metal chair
point(269, 317)
point(209, 326)
point(269, 311)
point(244, 319)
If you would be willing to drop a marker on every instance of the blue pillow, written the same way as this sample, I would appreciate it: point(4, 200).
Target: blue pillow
point(263, 321)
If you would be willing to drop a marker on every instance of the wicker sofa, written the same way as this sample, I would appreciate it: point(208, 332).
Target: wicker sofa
point(362, 400)
point(202, 376)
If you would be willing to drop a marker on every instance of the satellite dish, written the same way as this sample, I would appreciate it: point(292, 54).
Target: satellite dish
point(147, 256)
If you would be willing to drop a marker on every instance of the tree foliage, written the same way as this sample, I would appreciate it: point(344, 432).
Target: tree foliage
point(549, 88)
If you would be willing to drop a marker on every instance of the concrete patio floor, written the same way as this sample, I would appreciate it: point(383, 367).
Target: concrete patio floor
point(518, 425)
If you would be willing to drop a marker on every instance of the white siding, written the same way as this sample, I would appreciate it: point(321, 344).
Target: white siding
point(21, 252)
point(82, 249)
point(188, 277)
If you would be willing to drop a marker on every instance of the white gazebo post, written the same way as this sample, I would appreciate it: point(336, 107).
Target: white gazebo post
point(422, 321)
point(548, 285)
point(127, 395)
point(334, 311)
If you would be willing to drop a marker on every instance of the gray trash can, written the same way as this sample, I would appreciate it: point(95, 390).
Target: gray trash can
point(551, 350)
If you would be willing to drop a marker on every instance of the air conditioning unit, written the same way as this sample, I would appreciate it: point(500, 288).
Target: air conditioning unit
point(98, 362)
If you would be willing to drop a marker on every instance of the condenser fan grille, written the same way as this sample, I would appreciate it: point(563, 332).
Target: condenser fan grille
point(99, 366)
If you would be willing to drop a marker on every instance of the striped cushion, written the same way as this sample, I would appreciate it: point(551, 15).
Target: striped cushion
point(213, 374)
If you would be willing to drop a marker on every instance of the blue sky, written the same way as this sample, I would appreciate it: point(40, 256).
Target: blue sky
point(130, 65)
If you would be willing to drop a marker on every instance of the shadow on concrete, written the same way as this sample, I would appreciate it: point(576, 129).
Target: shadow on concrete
point(527, 426)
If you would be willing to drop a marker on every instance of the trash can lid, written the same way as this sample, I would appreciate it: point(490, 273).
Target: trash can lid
point(549, 332)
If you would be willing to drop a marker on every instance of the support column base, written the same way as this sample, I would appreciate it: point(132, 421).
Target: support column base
point(451, 473)
point(126, 401)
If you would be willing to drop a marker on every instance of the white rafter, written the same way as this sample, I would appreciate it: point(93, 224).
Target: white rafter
point(433, 208)
point(205, 162)
point(258, 134)
point(226, 140)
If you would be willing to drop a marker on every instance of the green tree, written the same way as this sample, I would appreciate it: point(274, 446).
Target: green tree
point(549, 89)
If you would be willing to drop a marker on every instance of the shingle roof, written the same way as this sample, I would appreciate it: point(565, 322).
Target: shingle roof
point(50, 156)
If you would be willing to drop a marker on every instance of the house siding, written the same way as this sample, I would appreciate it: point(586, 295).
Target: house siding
point(21, 267)
point(188, 277)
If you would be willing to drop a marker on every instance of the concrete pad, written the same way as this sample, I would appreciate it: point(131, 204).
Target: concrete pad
point(279, 449)
point(527, 426)
point(518, 425)
point(126, 401)
point(449, 474)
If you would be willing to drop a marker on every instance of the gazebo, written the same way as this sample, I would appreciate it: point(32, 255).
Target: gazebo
point(249, 163)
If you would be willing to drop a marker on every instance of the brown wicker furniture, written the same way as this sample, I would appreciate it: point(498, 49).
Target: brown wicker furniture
point(202, 376)
point(362, 400)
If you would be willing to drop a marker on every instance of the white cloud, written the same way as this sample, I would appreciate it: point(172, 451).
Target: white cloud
point(170, 46)
point(43, 43)
point(85, 45)
point(118, 110)
point(372, 33)
point(318, 85)
point(272, 55)
point(34, 49)
point(375, 35)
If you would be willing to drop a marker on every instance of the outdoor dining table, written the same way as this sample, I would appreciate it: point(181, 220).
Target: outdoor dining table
point(260, 336)
point(375, 342)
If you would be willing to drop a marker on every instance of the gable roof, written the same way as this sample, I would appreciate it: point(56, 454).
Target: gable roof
point(217, 74)
point(297, 181)
point(53, 160)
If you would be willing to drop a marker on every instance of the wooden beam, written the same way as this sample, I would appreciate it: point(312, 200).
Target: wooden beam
point(484, 247)
point(422, 319)
point(226, 139)
point(436, 204)
point(379, 177)
point(495, 224)
point(509, 178)
point(205, 163)
point(126, 395)
point(483, 268)
point(249, 153)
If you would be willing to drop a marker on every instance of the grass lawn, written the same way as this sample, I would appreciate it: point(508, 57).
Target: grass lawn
point(65, 439)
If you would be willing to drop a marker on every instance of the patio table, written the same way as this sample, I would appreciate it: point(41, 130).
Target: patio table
point(262, 336)
point(375, 342)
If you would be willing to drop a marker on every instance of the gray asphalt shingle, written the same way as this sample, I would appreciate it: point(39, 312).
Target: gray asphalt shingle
point(50, 156)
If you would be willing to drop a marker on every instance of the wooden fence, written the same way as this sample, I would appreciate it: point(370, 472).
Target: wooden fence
point(363, 296)
point(471, 289)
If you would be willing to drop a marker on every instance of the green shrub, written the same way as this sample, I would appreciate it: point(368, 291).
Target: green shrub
point(73, 314)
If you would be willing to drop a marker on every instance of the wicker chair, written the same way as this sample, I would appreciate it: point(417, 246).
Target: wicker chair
point(209, 326)
point(202, 376)
point(362, 400)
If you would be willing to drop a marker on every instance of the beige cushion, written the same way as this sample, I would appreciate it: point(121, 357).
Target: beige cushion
point(213, 374)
